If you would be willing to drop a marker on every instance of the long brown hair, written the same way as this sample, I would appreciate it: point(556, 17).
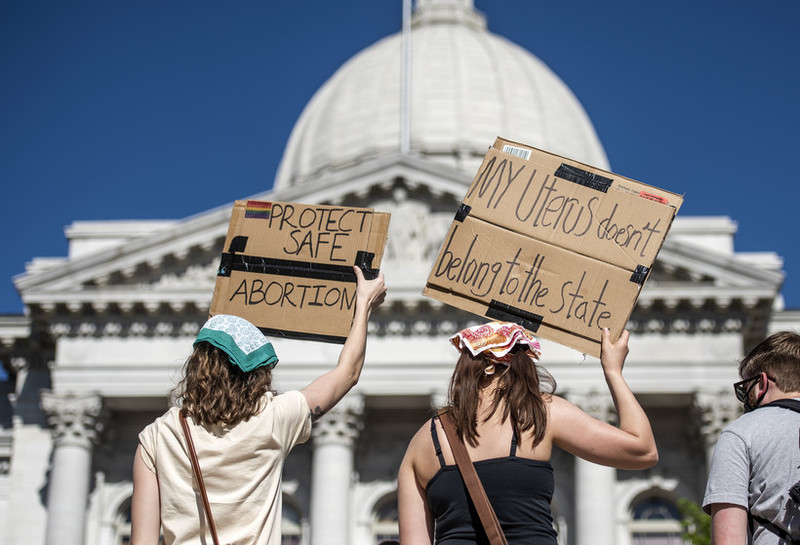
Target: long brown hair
point(522, 393)
point(214, 391)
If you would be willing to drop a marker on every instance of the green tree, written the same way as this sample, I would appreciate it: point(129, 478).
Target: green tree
point(695, 523)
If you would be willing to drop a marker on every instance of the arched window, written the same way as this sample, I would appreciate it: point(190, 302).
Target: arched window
point(384, 523)
point(656, 520)
point(291, 524)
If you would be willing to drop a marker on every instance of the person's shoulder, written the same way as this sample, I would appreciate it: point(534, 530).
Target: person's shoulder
point(760, 419)
point(283, 397)
point(422, 437)
point(788, 404)
point(558, 406)
point(425, 429)
point(420, 444)
point(291, 398)
point(168, 420)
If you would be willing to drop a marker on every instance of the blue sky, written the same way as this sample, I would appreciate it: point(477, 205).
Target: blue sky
point(164, 109)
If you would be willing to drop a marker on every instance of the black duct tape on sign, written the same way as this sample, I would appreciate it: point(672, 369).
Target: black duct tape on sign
point(364, 262)
point(640, 274)
point(507, 313)
point(282, 333)
point(238, 244)
point(583, 177)
point(299, 269)
point(463, 212)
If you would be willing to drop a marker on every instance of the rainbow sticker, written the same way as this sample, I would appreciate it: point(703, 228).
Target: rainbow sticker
point(258, 210)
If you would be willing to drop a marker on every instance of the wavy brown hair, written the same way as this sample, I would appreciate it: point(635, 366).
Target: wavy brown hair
point(214, 391)
point(522, 392)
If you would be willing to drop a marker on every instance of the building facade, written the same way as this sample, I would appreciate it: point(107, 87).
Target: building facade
point(107, 328)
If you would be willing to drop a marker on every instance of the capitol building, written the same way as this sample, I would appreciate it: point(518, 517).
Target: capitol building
point(106, 328)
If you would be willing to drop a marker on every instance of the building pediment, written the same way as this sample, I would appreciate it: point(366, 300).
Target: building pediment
point(174, 263)
point(172, 267)
point(685, 270)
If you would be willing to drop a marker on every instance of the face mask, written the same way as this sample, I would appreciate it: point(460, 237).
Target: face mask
point(759, 399)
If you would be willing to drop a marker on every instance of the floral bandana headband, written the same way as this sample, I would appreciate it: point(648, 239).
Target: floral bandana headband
point(496, 340)
point(243, 342)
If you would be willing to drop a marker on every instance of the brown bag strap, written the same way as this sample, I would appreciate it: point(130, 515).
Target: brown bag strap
point(198, 477)
point(485, 511)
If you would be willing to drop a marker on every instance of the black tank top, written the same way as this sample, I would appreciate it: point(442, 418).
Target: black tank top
point(519, 489)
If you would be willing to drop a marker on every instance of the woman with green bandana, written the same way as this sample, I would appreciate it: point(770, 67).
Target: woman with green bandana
point(242, 432)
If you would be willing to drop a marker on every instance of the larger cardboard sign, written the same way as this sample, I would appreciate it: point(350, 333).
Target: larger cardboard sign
point(555, 245)
point(287, 267)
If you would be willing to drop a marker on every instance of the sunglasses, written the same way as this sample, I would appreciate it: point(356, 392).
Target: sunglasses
point(743, 387)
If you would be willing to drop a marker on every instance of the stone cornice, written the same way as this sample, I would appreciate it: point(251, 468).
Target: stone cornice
point(202, 233)
point(406, 313)
point(114, 327)
point(23, 345)
point(726, 269)
point(12, 329)
point(100, 304)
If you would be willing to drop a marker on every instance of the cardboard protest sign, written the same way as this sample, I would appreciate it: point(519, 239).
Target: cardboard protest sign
point(555, 245)
point(287, 267)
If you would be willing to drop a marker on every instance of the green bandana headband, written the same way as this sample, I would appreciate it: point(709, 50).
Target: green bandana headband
point(243, 342)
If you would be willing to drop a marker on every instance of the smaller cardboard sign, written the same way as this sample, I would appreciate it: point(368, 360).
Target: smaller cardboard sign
point(287, 267)
point(555, 245)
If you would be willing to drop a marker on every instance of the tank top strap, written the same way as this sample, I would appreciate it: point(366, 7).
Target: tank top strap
point(513, 451)
point(436, 445)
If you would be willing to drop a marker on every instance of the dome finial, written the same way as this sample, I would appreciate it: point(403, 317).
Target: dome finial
point(448, 11)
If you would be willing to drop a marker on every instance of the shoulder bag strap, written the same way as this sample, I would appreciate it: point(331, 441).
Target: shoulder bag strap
point(791, 404)
point(778, 531)
point(198, 477)
point(485, 511)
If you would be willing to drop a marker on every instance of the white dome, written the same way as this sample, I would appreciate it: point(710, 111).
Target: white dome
point(468, 86)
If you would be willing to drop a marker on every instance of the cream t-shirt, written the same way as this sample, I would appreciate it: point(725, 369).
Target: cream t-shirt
point(241, 466)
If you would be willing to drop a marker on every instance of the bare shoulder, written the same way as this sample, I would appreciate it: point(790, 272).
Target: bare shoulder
point(561, 408)
point(557, 403)
point(420, 455)
point(420, 442)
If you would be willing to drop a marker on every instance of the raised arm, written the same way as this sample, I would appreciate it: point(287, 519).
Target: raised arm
point(631, 445)
point(327, 390)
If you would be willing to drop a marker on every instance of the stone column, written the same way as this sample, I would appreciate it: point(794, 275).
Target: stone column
point(334, 439)
point(74, 420)
point(713, 411)
point(594, 484)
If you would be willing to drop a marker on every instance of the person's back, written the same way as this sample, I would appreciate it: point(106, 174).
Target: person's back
point(241, 469)
point(757, 457)
point(241, 431)
point(519, 487)
point(497, 393)
point(762, 448)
